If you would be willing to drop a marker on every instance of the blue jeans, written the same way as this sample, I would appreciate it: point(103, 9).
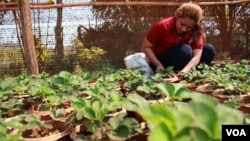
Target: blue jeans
point(181, 54)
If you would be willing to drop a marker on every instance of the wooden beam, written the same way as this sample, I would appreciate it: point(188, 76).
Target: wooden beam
point(132, 3)
point(14, 5)
point(32, 3)
point(129, 3)
point(27, 38)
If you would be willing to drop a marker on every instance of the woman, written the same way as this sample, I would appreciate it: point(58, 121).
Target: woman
point(178, 41)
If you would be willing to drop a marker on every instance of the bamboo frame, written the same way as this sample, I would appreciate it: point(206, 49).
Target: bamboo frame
point(32, 3)
point(14, 6)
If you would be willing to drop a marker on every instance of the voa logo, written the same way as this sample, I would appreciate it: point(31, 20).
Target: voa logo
point(236, 132)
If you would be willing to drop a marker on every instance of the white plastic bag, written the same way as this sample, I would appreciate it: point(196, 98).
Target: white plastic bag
point(139, 60)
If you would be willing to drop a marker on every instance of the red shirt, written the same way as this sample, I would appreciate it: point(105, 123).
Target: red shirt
point(163, 36)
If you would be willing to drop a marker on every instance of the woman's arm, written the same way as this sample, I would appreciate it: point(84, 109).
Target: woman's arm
point(192, 63)
point(147, 48)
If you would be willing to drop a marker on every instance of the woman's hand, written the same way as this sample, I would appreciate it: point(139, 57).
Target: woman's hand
point(172, 79)
point(160, 68)
point(175, 78)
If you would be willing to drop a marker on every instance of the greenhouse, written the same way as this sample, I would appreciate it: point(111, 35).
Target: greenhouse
point(65, 73)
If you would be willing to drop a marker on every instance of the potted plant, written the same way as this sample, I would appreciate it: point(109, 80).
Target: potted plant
point(175, 91)
point(37, 129)
point(44, 98)
point(11, 108)
point(96, 115)
point(199, 119)
point(9, 129)
point(6, 89)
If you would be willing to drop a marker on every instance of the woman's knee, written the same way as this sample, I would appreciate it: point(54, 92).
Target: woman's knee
point(186, 51)
point(209, 50)
point(208, 54)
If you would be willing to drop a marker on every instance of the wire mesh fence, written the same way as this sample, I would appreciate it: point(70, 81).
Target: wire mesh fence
point(95, 35)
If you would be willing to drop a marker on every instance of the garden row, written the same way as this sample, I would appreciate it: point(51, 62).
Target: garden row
point(123, 105)
point(228, 81)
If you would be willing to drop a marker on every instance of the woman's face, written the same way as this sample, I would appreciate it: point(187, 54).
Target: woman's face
point(184, 25)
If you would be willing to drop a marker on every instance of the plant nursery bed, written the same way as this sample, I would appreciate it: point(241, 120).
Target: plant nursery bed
point(117, 114)
point(58, 131)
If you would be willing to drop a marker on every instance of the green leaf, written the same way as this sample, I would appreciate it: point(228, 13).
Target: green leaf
point(136, 101)
point(92, 127)
point(236, 116)
point(34, 124)
point(15, 123)
point(3, 127)
point(120, 133)
point(183, 119)
point(101, 114)
point(161, 133)
point(70, 118)
point(166, 88)
point(96, 105)
point(32, 117)
point(132, 124)
point(174, 90)
point(181, 91)
point(159, 113)
point(207, 117)
point(183, 134)
point(89, 113)
point(198, 134)
point(57, 113)
point(114, 121)
point(115, 95)
point(3, 136)
point(58, 80)
point(78, 104)
point(80, 114)
point(206, 120)
point(54, 99)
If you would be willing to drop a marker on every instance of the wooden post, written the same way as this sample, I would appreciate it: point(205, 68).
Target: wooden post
point(27, 37)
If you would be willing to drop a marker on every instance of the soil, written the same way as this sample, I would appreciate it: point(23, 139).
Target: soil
point(45, 114)
point(12, 113)
point(65, 138)
point(59, 130)
point(139, 137)
point(244, 100)
point(206, 88)
point(39, 132)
